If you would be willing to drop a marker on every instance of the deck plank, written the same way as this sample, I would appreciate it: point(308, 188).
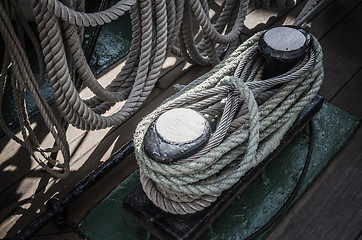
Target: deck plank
point(47, 187)
point(261, 19)
point(349, 98)
point(331, 208)
point(342, 53)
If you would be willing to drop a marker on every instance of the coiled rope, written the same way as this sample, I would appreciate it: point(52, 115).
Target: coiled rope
point(245, 135)
point(157, 26)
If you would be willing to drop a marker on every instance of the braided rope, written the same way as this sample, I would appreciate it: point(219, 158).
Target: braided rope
point(206, 51)
point(87, 19)
point(60, 32)
point(156, 25)
point(23, 79)
point(194, 183)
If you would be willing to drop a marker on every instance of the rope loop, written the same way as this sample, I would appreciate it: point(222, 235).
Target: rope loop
point(158, 27)
point(252, 116)
point(87, 19)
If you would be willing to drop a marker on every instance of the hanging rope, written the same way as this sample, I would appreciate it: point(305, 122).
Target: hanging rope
point(156, 25)
point(22, 79)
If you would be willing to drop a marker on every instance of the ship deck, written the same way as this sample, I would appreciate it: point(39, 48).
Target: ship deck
point(329, 209)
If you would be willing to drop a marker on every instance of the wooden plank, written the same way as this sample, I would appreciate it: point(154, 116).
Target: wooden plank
point(47, 187)
point(330, 17)
point(325, 21)
point(261, 19)
point(331, 209)
point(349, 98)
point(342, 53)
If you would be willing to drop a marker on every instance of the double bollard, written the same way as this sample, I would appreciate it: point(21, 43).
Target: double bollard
point(179, 133)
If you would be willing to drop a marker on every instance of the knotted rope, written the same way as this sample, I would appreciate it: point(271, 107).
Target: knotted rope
point(253, 117)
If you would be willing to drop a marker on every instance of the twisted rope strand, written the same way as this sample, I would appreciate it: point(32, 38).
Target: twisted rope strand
point(215, 169)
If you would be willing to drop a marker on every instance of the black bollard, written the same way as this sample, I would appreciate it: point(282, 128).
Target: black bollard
point(282, 48)
point(176, 134)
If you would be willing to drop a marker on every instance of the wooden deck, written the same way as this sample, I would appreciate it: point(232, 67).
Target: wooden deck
point(330, 209)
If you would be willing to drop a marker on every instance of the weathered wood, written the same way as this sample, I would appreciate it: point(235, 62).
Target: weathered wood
point(171, 226)
point(349, 98)
point(331, 209)
point(261, 19)
point(342, 53)
point(39, 187)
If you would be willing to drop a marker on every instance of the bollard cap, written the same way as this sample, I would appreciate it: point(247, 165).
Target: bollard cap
point(285, 44)
point(176, 134)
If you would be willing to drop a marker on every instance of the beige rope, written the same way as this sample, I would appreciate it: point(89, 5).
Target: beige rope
point(156, 25)
point(64, 58)
point(191, 184)
point(23, 79)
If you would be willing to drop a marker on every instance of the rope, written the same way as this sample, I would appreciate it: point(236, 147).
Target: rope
point(214, 43)
point(194, 183)
point(309, 10)
point(157, 26)
point(22, 80)
point(87, 19)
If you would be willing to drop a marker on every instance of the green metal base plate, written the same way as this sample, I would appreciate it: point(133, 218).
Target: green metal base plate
point(255, 205)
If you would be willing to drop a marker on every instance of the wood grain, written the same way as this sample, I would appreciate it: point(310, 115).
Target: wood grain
point(331, 209)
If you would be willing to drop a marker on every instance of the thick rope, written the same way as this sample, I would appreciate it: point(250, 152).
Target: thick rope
point(87, 19)
point(156, 26)
point(194, 183)
point(23, 79)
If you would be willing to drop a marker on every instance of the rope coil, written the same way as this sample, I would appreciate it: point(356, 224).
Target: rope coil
point(158, 27)
point(243, 139)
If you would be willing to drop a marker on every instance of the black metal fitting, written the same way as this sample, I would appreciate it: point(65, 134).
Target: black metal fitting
point(282, 47)
point(162, 141)
point(60, 213)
